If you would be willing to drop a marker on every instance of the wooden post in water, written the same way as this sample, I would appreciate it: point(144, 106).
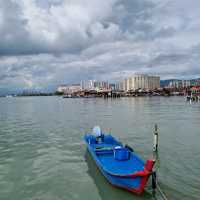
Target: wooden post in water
point(155, 145)
point(191, 98)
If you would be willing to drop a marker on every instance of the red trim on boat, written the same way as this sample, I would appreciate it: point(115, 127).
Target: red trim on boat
point(147, 170)
point(145, 173)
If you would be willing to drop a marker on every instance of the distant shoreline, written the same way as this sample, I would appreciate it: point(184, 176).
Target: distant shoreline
point(86, 97)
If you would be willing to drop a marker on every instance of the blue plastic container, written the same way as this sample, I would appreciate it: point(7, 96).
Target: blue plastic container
point(121, 153)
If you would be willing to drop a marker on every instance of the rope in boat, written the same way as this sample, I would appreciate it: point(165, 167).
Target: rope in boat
point(154, 180)
point(163, 195)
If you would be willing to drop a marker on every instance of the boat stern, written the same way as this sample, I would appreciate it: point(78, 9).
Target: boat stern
point(148, 168)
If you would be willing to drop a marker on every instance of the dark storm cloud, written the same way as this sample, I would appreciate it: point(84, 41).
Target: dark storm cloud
point(55, 41)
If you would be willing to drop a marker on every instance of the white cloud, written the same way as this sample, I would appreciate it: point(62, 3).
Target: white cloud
point(46, 42)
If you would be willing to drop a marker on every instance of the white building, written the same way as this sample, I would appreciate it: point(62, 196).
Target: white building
point(119, 86)
point(141, 81)
point(186, 83)
point(94, 85)
point(73, 89)
point(88, 85)
point(69, 89)
point(62, 88)
point(179, 84)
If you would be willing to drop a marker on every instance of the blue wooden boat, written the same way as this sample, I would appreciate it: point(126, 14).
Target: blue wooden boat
point(118, 163)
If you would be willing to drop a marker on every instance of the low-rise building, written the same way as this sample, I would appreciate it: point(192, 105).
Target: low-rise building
point(73, 89)
point(195, 89)
point(69, 89)
point(62, 88)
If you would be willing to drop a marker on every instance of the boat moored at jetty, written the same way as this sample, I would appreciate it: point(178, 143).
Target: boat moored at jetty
point(118, 163)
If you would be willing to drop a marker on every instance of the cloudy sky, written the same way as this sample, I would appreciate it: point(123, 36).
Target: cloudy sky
point(49, 42)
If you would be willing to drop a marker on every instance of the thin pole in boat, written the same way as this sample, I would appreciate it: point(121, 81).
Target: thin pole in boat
point(155, 145)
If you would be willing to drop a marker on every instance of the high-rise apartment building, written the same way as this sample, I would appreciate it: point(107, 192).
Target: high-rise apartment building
point(141, 81)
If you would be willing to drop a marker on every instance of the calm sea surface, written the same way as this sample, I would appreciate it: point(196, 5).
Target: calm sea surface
point(43, 156)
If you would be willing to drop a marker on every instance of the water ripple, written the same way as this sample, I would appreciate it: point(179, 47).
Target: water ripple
point(42, 155)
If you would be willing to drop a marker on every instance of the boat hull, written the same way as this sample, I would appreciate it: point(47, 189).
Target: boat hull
point(132, 182)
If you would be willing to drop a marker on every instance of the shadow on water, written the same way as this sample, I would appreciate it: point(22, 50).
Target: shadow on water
point(106, 190)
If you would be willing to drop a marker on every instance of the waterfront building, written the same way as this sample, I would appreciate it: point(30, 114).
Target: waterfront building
point(94, 85)
point(88, 85)
point(186, 83)
point(141, 81)
point(121, 86)
point(179, 84)
point(112, 86)
point(195, 89)
point(101, 85)
point(69, 89)
point(118, 86)
point(195, 82)
point(62, 88)
point(125, 85)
